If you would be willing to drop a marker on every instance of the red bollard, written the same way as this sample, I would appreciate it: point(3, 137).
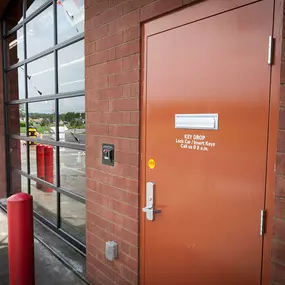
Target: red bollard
point(40, 152)
point(21, 239)
point(48, 166)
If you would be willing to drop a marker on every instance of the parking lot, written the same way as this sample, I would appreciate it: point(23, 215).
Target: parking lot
point(72, 177)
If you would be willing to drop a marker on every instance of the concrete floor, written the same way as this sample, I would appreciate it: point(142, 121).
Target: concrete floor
point(48, 269)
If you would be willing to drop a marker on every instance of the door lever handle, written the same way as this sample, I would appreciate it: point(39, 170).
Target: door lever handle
point(148, 209)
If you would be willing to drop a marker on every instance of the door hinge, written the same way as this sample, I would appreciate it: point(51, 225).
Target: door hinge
point(262, 222)
point(270, 50)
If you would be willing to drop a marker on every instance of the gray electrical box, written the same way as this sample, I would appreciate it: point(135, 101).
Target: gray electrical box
point(111, 250)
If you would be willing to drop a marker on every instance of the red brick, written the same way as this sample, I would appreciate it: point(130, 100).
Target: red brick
point(94, 219)
point(282, 76)
point(281, 141)
point(111, 14)
point(127, 21)
point(97, 129)
point(112, 192)
point(126, 236)
point(107, 68)
point(93, 104)
point(280, 186)
point(279, 207)
point(131, 62)
point(278, 251)
point(126, 118)
point(127, 90)
point(132, 33)
point(93, 117)
point(101, 266)
point(135, 4)
point(112, 27)
point(99, 233)
point(134, 253)
point(128, 48)
point(109, 41)
point(279, 228)
point(99, 210)
point(135, 89)
point(124, 104)
point(111, 93)
point(283, 49)
point(97, 198)
point(89, 48)
point(125, 183)
point(157, 8)
point(124, 78)
point(113, 180)
point(126, 209)
point(282, 119)
point(92, 239)
point(282, 95)
point(124, 131)
point(99, 57)
point(186, 2)
point(113, 3)
point(127, 158)
point(133, 172)
point(130, 275)
point(280, 164)
point(97, 33)
point(97, 277)
point(278, 273)
point(135, 118)
point(129, 262)
point(112, 53)
point(96, 83)
point(88, 3)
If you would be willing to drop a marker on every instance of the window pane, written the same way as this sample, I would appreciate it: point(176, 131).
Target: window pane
point(71, 68)
point(72, 170)
point(72, 119)
point(43, 162)
point(18, 154)
point(16, 84)
point(13, 14)
point(73, 217)
point(33, 5)
point(24, 184)
point(15, 47)
point(70, 19)
point(44, 201)
point(17, 119)
point(40, 32)
point(18, 183)
point(41, 76)
point(42, 118)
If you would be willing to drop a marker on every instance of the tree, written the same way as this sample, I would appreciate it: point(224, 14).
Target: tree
point(45, 122)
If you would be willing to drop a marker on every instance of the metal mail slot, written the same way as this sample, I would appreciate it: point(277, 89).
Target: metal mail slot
point(197, 121)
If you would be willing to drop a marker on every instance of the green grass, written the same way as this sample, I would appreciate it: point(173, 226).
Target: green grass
point(39, 128)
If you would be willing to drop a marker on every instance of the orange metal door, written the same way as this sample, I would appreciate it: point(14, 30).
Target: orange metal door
point(209, 184)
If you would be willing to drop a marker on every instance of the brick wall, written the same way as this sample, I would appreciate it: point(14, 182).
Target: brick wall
point(112, 49)
point(278, 243)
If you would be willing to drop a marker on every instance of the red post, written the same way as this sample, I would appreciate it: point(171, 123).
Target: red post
point(40, 163)
point(21, 239)
point(48, 166)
